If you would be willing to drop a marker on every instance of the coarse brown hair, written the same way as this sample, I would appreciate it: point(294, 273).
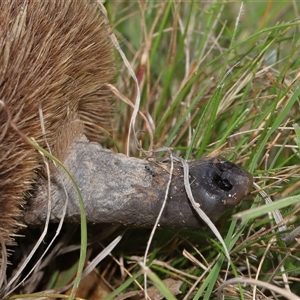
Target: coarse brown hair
point(55, 58)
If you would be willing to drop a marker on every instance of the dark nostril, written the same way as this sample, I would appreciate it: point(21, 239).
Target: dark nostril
point(222, 183)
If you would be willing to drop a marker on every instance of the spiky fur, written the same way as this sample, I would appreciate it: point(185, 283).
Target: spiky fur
point(55, 57)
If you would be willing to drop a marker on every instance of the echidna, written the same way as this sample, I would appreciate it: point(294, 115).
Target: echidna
point(55, 58)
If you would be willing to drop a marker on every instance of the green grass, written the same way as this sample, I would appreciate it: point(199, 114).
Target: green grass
point(218, 79)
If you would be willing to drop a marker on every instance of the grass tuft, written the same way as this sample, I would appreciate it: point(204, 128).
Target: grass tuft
point(220, 78)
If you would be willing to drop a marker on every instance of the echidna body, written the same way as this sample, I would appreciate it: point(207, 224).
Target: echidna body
point(55, 58)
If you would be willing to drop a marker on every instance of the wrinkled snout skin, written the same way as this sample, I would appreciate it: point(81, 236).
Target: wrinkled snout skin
point(218, 185)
